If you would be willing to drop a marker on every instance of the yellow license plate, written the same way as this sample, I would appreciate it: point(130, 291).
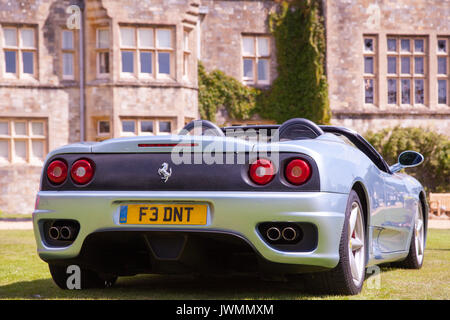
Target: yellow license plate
point(163, 214)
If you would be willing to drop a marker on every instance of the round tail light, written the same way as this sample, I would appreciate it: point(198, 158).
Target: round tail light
point(57, 172)
point(261, 171)
point(82, 171)
point(298, 171)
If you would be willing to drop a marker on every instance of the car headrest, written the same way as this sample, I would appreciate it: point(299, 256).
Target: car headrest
point(299, 128)
point(207, 127)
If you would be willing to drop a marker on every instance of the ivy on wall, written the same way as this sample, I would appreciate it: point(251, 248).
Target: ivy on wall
point(300, 90)
point(216, 89)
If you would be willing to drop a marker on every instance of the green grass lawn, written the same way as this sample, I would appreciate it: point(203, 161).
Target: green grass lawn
point(24, 276)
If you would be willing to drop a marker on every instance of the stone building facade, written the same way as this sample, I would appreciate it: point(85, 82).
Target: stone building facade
point(74, 70)
point(388, 63)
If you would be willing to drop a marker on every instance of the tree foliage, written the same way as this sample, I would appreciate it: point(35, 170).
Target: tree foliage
point(434, 172)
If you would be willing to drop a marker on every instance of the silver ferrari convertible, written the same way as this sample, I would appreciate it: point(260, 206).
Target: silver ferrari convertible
point(296, 201)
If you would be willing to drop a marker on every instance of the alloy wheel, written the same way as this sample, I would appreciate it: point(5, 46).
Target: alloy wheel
point(356, 244)
point(419, 235)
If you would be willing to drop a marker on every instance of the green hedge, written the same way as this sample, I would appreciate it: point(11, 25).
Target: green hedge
point(434, 172)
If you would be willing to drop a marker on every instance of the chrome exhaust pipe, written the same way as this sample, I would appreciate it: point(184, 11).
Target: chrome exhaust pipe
point(66, 233)
point(289, 234)
point(54, 233)
point(273, 234)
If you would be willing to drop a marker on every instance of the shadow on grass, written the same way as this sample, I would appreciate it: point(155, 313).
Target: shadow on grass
point(157, 287)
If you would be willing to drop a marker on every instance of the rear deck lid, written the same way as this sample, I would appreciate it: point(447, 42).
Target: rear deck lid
point(176, 143)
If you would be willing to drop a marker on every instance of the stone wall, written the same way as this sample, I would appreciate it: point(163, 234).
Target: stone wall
point(372, 122)
point(46, 96)
point(175, 103)
point(19, 182)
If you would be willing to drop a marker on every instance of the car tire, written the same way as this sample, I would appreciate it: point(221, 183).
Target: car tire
point(415, 257)
point(88, 279)
point(344, 279)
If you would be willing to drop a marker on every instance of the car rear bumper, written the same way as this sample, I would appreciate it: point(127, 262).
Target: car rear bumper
point(232, 213)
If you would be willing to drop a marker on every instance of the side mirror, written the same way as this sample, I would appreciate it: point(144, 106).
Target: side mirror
point(407, 159)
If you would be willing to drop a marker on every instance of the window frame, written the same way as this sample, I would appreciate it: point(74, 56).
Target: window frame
point(19, 49)
point(99, 51)
point(154, 49)
point(158, 122)
point(186, 52)
point(103, 134)
point(145, 49)
point(29, 137)
point(255, 57)
point(442, 76)
point(138, 126)
point(71, 51)
point(374, 75)
point(412, 76)
point(126, 133)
